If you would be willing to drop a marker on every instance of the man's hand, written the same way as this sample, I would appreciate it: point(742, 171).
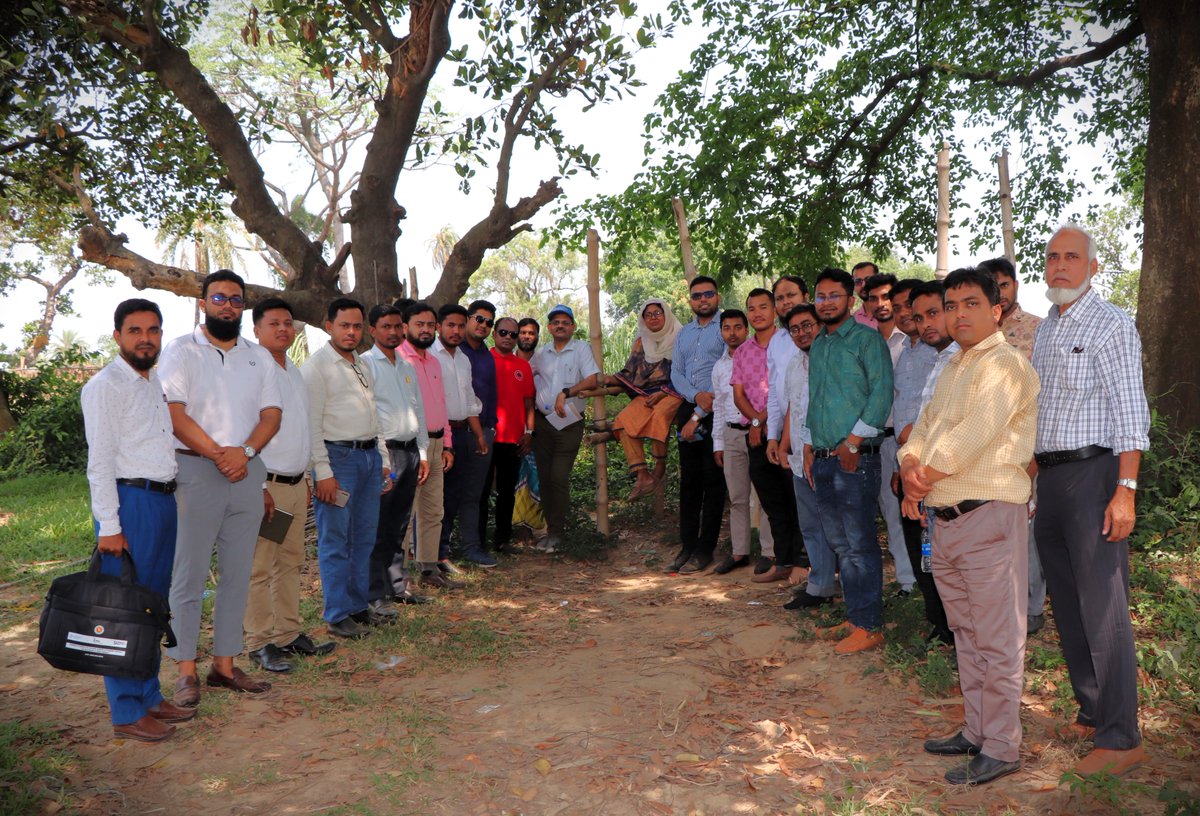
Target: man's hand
point(915, 478)
point(386, 483)
point(773, 451)
point(655, 399)
point(307, 494)
point(756, 436)
point(783, 455)
point(238, 474)
point(809, 458)
point(848, 460)
point(422, 472)
point(905, 432)
point(912, 509)
point(1119, 515)
point(560, 404)
point(896, 483)
point(327, 490)
point(481, 445)
point(112, 544)
point(525, 444)
point(719, 458)
point(268, 504)
point(688, 431)
point(447, 460)
point(705, 400)
point(229, 459)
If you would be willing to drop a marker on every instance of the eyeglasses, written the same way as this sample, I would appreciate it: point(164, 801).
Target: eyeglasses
point(236, 301)
point(807, 325)
point(505, 333)
point(707, 294)
point(831, 298)
point(487, 321)
point(361, 379)
point(655, 313)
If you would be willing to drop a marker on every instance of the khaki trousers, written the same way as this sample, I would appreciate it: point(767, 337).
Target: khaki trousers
point(742, 498)
point(273, 607)
point(981, 568)
point(429, 507)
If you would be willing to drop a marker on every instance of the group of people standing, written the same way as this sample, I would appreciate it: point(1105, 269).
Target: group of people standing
point(935, 403)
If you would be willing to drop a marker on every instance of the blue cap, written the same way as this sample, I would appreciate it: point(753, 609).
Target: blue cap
point(564, 309)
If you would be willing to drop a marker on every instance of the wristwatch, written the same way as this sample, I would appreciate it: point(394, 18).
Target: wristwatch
point(695, 418)
point(249, 451)
point(567, 392)
point(756, 423)
point(1130, 483)
point(851, 447)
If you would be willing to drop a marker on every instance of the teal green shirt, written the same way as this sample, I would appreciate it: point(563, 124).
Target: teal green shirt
point(849, 384)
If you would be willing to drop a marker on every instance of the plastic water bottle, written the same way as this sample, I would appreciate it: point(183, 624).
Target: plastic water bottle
point(926, 551)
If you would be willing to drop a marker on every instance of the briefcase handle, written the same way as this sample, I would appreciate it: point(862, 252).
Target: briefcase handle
point(128, 570)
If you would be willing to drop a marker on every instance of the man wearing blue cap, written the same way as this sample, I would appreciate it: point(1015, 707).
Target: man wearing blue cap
point(561, 371)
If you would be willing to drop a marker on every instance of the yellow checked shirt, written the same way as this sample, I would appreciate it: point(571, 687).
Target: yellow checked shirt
point(980, 426)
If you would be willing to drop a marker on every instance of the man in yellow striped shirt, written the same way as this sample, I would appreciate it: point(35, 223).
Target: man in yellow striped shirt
point(967, 459)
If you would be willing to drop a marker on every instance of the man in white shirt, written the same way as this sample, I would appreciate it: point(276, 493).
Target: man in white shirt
point(402, 423)
point(272, 622)
point(561, 370)
point(463, 485)
point(223, 393)
point(347, 466)
point(131, 475)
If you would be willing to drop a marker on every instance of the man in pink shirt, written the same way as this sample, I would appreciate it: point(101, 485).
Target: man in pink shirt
point(863, 272)
point(420, 323)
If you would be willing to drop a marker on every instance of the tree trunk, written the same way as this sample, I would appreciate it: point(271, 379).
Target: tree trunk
point(7, 423)
point(1169, 293)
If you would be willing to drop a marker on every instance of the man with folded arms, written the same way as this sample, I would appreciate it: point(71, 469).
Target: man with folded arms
point(346, 444)
point(272, 620)
point(131, 474)
point(1093, 424)
point(225, 404)
point(967, 458)
point(402, 424)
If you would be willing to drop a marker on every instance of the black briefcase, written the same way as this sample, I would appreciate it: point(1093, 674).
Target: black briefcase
point(102, 624)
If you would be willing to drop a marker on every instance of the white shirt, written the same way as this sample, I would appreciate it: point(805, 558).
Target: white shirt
point(341, 408)
point(796, 389)
point(398, 400)
point(554, 370)
point(289, 450)
point(780, 352)
point(943, 357)
point(895, 343)
point(724, 411)
point(129, 436)
point(223, 391)
point(461, 401)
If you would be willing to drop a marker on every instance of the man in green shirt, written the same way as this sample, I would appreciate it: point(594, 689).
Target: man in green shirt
point(850, 396)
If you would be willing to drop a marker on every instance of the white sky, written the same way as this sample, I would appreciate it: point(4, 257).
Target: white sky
point(432, 199)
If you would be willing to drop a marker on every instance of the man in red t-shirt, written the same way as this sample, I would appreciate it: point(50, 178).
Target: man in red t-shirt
point(514, 425)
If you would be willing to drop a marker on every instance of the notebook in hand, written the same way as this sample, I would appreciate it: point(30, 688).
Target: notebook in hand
point(276, 529)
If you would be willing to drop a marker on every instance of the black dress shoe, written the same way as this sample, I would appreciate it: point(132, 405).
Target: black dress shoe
point(448, 567)
point(1034, 624)
point(407, 597)
point(939, 635)
point(957, 745)
point(730, 564)
point(303, 645)
point(698, 563)
point(805, 601)
point(981, 769)
point(438, 580)
point(680, 560)
point(763, 564)
point(347, 628)
point(271, 658)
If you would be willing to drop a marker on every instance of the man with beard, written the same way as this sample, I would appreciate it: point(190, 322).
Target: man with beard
point(420, 322)
point(514, 426)
point(863, 272)
point(1093, 424)
point(697, 347)
point(528, 332)
point(850, 396)
point(226, 406)
point(481, 317)
point(346, 443)
point(272, 622)
point(131, 474)
point(930, 319)
point(402, 425)
point(471, 442)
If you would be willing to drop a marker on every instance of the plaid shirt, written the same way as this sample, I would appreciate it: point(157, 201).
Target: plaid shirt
point(1090, 363)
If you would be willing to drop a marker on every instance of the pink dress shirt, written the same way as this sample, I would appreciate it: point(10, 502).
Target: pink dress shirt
point(433, 394)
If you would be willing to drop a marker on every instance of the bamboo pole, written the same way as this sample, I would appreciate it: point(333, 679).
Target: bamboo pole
point(943, 214)
point(1006, 218)
point(685, 239)
point(599, 413)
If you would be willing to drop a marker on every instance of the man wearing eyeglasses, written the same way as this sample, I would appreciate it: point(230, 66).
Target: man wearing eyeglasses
point(861, 273)
point(224, 397)
point(514, 426)
point(481, 316)
point(347, 441)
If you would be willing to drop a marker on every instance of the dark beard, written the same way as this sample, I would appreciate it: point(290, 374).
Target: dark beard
point(223, 330)
point(527, 346)
point(140, 363)
point(418, 343)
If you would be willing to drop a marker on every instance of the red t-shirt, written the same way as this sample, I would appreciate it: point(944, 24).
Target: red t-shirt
point(514, 384)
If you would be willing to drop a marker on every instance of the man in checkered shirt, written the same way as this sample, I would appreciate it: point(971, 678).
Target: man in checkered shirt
point(1093, 424)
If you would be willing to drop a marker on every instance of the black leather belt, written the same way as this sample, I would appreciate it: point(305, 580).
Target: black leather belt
point(1052, 458)
point(149, 484)
point(357, 444)
point(826, 453)
point(459, 424)
point(438, 434)
point(287, 480)
point(961, 509)
point(889, 432)
point(737, 426)
point(407, 444)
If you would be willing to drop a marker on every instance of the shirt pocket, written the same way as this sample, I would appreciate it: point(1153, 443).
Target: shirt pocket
point(1078, 370)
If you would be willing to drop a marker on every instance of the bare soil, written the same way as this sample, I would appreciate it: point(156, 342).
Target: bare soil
point(552, 687)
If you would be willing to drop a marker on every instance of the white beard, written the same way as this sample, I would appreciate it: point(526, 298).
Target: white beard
point(1061, 296)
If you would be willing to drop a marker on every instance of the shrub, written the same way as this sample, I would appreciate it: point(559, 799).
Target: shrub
point(49, 436)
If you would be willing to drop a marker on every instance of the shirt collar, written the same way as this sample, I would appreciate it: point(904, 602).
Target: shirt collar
point(983, 345)
point(124, 369)
point(1085, 303)
point(202, 339)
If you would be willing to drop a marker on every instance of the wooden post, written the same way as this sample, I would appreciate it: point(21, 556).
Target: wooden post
point(599, 412)
point(943, 214)
point(685, 239)
point(1006, 220)
point(412, 284)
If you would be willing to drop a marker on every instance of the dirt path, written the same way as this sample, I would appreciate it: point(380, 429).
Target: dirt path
point(558, 688)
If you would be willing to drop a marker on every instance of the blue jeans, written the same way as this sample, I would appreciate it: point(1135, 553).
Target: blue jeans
point(846, 502)
point(822, 561)
point(346, 535)
point(148, 521)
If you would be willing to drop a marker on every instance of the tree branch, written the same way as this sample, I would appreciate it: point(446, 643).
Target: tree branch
point(374, 22)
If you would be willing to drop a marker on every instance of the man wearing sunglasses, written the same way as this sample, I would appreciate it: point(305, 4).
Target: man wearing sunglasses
point(224, 397)
point(514, 426)
point(474, 464)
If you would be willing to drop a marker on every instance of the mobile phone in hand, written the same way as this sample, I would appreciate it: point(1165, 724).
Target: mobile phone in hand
point(342, 498)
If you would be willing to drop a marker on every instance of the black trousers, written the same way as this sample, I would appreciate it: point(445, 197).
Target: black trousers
point(701, 492)
point(935, 613)
point(778, 500)
point(505, 472)
point(1088, 581)
point(388, 576)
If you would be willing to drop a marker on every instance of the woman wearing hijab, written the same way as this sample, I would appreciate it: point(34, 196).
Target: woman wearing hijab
point(647, 378)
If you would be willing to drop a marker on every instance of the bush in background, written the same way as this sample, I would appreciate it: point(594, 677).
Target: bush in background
point(49, 435)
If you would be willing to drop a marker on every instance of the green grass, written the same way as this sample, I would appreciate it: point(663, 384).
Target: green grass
point(50, 524)
point(32, 769)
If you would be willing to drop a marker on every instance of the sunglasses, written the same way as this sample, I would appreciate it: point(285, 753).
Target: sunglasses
point(487, 321)
point(236, 301)
point(707, 294)
point(505, 333)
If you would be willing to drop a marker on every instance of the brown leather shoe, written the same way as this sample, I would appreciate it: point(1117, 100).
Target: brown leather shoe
point(775, 573)
point(1072, 732)
point(1111, 761)
point(187, 691)
point(436, 579)
point(147, 729)
point(168, 713)
point(239, 682)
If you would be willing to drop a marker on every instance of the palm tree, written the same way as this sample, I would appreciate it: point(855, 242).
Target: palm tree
point(210, 244)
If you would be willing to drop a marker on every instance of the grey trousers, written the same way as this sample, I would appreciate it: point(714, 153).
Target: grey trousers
point(555, 452)
point(214, 513)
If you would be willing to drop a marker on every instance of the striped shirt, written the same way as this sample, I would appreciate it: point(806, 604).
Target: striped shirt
point(697, 348)
point(1090, 362)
